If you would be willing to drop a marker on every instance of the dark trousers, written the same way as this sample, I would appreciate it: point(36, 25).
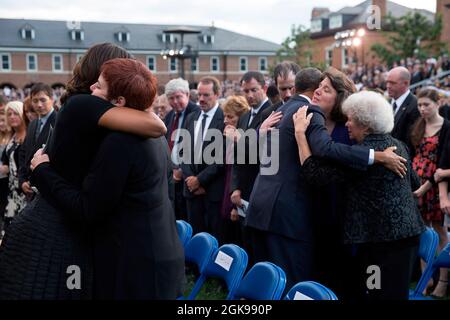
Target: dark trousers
point(204, 215)
point(293, 256)
point(395, 260)
point(179, 202)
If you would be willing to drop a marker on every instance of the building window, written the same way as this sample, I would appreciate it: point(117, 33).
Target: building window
point(243, 64)
point(263, 64)
point(6, 62)
point(194, 64)
point(329, 56)
point(168, 38)
point(151, 63)
point(123, 36)
point(172, 64)
point(316, 25)
point(57, 63)
point(215, 64)
point(28, 34)
point(336, 22)
point(208, 38)
point(32, 62)
point(77, 34)
point(345, 57)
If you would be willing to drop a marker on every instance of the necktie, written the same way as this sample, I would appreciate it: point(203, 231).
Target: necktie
point(38, 129)
point(253, 115)
point(394, 106)
point(173, 128)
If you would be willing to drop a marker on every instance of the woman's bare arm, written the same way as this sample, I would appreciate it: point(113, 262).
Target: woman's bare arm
point(142, 123)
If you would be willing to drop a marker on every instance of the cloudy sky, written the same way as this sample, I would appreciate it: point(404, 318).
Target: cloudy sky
point(266, 19)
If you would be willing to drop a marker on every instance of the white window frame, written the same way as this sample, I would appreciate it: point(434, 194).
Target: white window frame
point(74, 37)
point(260, 64)
point(123, 36)
point(53, 63)
point(9, 62)
point(336, 21)
point(316, 25)
point(197, 64)
point(345, 56)
point(35, 61)
point(169, 64)
point(240, 64)
point(211, 38)
point(24, 34)
point(328, 61)
point(211, 64)
point(171, 38)
point(154, 63)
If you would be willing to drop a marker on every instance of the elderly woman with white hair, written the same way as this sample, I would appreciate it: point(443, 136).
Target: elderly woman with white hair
point(381, 221)
point(10, 160)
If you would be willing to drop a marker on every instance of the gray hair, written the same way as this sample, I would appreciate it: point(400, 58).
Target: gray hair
point(371, 110)
point(176, 85)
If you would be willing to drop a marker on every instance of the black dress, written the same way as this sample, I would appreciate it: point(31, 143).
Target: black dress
point(43, 242)
point(138, 254)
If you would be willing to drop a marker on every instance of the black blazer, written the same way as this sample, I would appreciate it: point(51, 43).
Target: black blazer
point(30, 146)
point(170, 117)
point(272, 108)
point(405, 119)
point(280, 200)
point(244, 175)
point(210, 176)
point(125, 200)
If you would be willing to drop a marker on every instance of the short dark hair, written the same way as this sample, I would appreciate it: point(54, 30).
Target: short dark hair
point(214, 81)
point(282, 70)
point(307, 79)
point(258, 76)
point(41, 87)
point(272, 91)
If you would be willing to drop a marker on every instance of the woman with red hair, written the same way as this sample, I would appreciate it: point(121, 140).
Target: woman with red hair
point(125, 198)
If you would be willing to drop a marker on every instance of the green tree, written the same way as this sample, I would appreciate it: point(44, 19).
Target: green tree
point(410, 35)
point(298, 48)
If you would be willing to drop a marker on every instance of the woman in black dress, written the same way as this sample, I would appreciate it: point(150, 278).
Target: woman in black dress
point(125, 198)
point(43, 242)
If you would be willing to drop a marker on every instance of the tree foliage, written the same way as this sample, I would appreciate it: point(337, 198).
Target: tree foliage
point(412, 35)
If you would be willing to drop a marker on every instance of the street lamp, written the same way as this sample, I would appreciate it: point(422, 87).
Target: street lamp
point(185, 51)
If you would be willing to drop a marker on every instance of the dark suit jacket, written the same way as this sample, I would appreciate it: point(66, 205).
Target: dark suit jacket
point(272, 108)
point(244, 175)
point(280, 202)
point(405, 119)
point(170, 117)
point(125, 199)
point(30, 146)
point(210, 176)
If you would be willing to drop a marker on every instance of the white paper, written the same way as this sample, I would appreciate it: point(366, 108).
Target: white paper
point(301, 296)
point(243, 211)
point(224, 260)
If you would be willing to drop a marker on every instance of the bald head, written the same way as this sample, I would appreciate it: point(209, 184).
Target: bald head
point(398, 81)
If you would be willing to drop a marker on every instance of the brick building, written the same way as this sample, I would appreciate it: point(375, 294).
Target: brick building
point(38, 50)
point(343, 37)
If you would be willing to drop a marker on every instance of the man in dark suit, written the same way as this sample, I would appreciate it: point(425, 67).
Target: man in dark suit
point(279, 214)
point(404, 103)
point(284, 77)
point(37, 133)
point(203, 180)
point(177, 93)
point(243, 176)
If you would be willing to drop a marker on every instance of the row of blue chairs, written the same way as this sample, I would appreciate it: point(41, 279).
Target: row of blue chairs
point(264, 281)
point(429, 241)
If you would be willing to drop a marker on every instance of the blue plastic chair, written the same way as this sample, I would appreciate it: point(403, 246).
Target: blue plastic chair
point(184, 232)
point(310, 290)
point(264, 281)
point(429, 241)
point(228, 263)
point(441, 261)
